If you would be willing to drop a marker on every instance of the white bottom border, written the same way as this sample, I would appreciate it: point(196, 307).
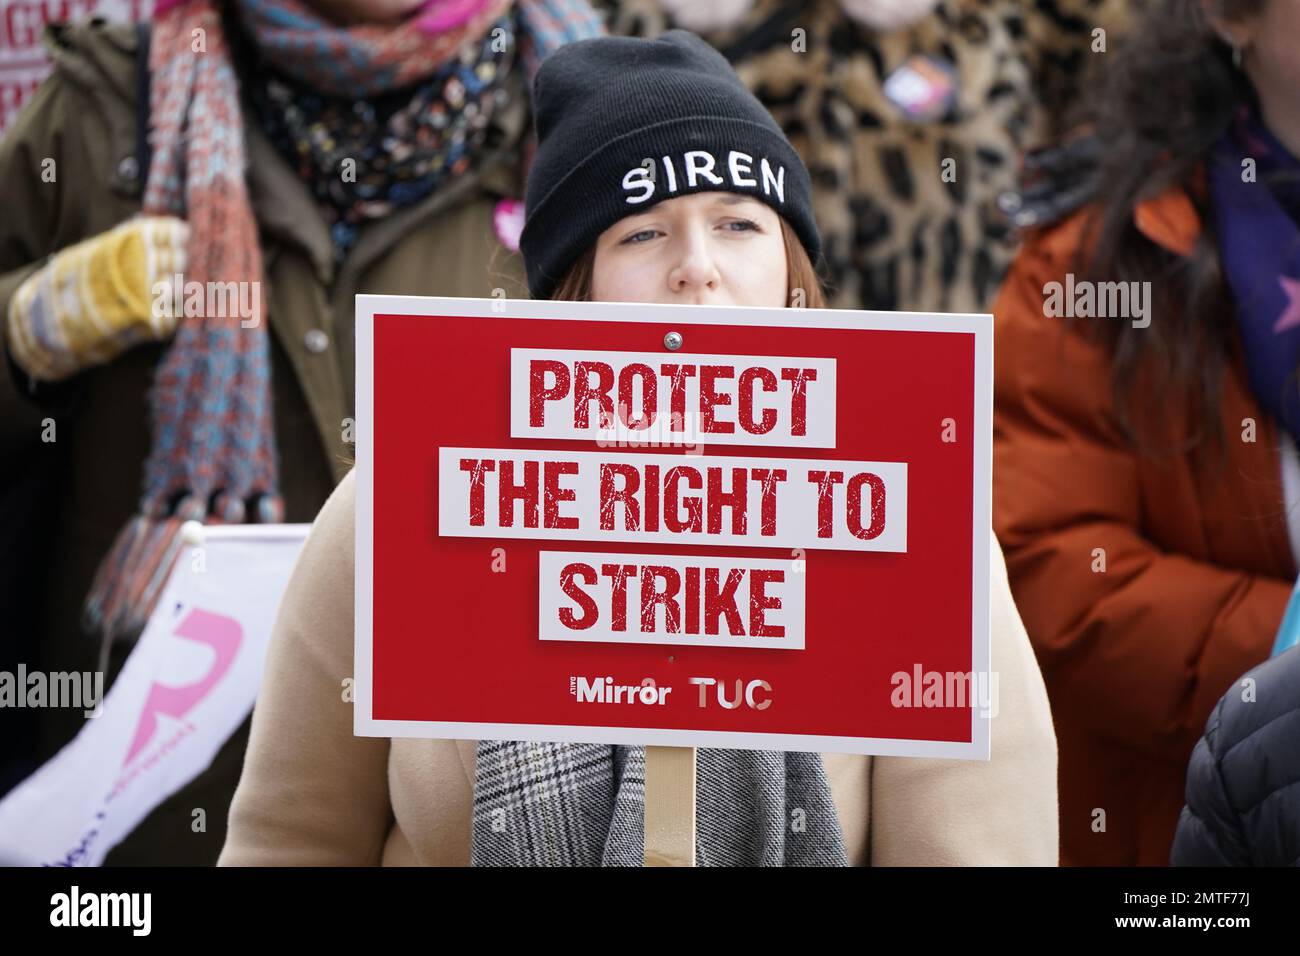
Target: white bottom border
point(733, 740)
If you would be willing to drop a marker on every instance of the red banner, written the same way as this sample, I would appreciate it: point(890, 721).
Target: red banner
point(774, 536)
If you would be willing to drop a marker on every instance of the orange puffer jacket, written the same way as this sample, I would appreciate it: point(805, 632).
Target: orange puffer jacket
point(1148, 585)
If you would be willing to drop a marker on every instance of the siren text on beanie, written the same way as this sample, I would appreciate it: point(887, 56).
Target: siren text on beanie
point(624, 123)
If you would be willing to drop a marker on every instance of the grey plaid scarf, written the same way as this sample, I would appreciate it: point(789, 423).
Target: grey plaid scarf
point(556, 804)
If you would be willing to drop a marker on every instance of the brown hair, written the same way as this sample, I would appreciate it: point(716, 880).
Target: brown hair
point(1169, 93)
point(800, 274)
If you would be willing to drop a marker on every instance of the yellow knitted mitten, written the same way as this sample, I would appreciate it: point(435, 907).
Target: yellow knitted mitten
point(94, 300)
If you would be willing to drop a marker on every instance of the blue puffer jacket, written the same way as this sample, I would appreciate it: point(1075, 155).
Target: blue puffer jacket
point(1243, 783)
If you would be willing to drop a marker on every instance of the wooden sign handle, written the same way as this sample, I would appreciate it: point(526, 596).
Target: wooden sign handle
point(670, 806)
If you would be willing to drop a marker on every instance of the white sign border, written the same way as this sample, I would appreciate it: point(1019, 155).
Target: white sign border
point(978, 325)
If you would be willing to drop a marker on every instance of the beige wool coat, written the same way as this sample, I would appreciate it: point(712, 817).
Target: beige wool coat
point(312, 794)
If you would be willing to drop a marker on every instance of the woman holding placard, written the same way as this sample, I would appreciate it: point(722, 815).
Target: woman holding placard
point(695, 197)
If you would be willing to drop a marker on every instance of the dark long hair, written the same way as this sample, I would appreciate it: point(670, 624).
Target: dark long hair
point(1170, 92)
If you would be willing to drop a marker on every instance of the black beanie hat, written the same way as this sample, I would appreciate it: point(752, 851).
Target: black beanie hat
point(604, 106)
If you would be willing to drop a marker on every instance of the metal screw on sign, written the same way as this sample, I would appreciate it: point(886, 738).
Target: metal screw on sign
point(673, 341)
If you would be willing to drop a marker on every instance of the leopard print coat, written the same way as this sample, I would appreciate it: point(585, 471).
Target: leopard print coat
point(899, 233)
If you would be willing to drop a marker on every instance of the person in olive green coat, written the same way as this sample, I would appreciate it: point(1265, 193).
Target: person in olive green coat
point(75, 426)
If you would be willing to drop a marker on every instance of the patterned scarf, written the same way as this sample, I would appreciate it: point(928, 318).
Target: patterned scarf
point(213, 455)
point(557, 804)
point(1257, 223)
point(365, 158)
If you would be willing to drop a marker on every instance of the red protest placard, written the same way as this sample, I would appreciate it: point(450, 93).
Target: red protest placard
point(775, 536)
